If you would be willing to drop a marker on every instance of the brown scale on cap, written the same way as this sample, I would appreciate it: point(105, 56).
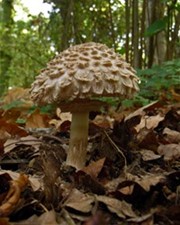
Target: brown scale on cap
point(84, 71)
point(74, 77)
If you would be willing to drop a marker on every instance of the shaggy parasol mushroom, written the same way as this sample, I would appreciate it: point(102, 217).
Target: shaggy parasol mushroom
point(74, 77)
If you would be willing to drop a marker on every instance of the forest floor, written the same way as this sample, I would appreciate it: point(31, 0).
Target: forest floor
point(132, 176)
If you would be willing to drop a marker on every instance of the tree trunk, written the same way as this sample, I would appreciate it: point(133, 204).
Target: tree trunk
point(112, 25)
point(135, 33)
point(66, 11)
point(127, 11)
point(150, 41)
point(160, 44)
point(5, 57)
point(172, 34)
point(142, 54)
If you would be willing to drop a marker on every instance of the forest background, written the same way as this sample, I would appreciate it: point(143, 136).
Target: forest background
point(145, 32)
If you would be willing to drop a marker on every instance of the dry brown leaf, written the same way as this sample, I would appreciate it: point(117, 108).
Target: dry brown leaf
point(150, 180)
point(120, 208)
point(11, 129)
point(4, 135)
point(13, 196)
point(103, 121)
point(16, 93)
point(4, 221)
point(146, 181)
point(63, 117)
point(94, 168)
point(37, 120)
point(169, 151)
point(141, 111)
point(175, 95)
point(79, 201)
point(112, 185)
point(30, 221)
point(19, 94)
point(47, 218)
point(148, 155)
point(171, 136)
point(147, 138)
point(97, 219)
point(149, 122)
point(143, 220)
point(10, 144)
point(11, 115)
point(128, 190)
point(33, 181)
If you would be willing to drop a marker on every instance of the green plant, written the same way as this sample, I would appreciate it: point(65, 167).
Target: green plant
point(159, 79)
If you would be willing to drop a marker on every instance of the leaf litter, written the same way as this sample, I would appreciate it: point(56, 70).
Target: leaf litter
point(132, 173)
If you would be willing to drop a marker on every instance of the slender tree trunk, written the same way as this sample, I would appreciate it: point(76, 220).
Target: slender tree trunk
point(112, 24)
point(159, 38)
point(142, 55)
point(150, 41)
point(66, 11)
point(172, 34)
point(127, 8)
point(135, 34)
point(5, 57)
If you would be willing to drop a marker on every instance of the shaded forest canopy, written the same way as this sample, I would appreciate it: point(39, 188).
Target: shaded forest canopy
point(145, 32)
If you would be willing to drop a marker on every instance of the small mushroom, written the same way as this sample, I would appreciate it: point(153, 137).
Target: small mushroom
point(93, 71)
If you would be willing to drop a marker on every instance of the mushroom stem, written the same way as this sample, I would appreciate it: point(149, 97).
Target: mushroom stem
point(76, 156)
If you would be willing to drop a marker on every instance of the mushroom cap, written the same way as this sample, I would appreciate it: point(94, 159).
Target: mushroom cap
point(84, 71)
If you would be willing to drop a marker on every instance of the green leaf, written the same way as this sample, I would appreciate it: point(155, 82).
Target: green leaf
point(156, 27)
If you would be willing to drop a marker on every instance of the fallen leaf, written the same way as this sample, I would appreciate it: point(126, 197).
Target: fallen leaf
point(146, 219)
point(149, 122)
point(175, 95)
point(4, 221)
point(18, 99)
point(10, 144)
point(128, 190)
point(16, 93)
point(11, 129)
point(88, 183)
point(142, 111)
point(148, 155)
point(13, 195)
point(171, 120)
point(64, 117)
point(169, 151)
point(97, 219)
point(79, 201)
point(37, 120)
point(4, 186)
point(120, 208)
point(47, 218)
point(147, 181)
point(34, 182)
point(147, 138)
point(171, 136)
point(11, 115)
point(94, 168)
point(103, 121)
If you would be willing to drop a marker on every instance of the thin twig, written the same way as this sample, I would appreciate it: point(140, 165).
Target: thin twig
point(117, 148)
